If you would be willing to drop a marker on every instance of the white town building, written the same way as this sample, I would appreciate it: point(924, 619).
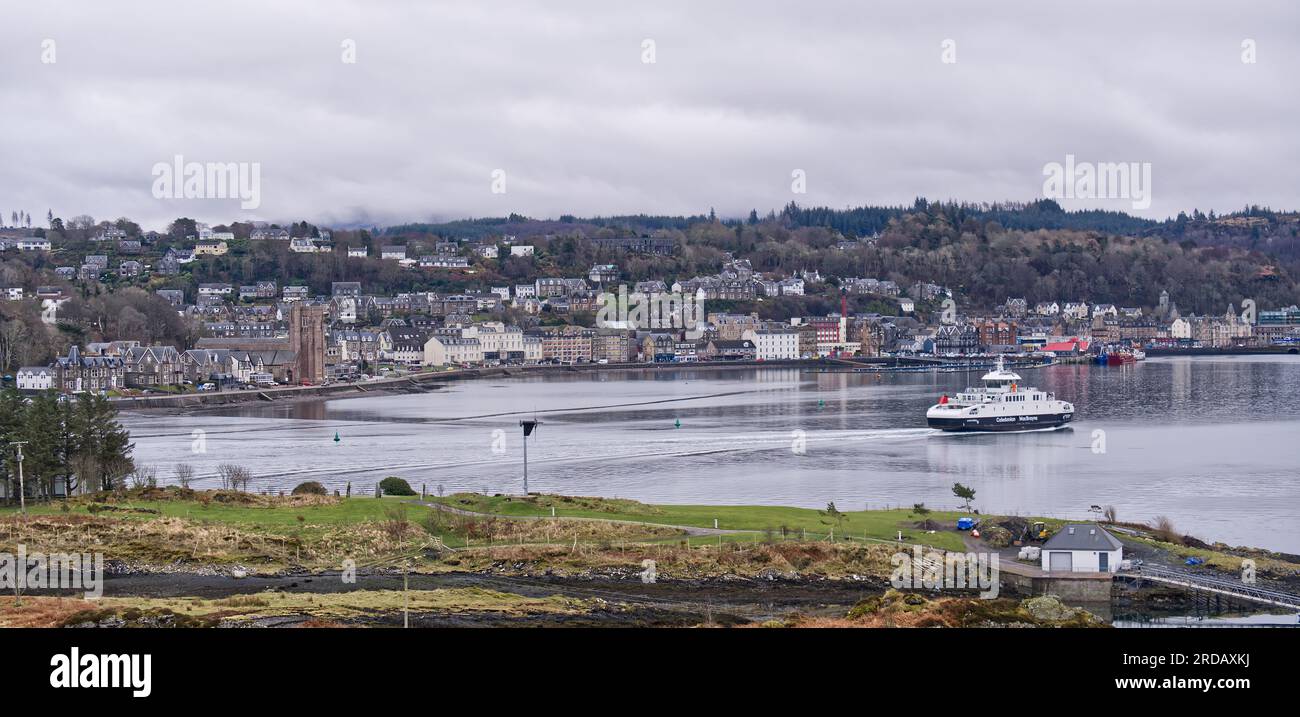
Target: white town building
point(35, 378)
point(441, 350)
point(774, 345)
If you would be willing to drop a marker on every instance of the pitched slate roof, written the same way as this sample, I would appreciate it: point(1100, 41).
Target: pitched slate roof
point(1082, 536)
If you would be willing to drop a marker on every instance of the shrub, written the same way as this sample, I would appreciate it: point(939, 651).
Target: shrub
point(1164, 529)
point(392, 485)
point(396, 524)
point(865, 607)
point(310, 487)
point(434, 523)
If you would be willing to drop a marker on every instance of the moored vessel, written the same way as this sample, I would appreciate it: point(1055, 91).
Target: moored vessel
point(1120, 358)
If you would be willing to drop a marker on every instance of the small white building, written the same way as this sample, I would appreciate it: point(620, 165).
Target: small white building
point(1105, 310)
point(441, 350)
point(34, 245)
point(1075, 310)
point(35, 378)
point(790, 287)
point(304, 245)
point(1082, 548)
point(215, 289)
point(522, 250)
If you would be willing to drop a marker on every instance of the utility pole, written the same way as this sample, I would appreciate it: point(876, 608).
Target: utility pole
point(22, 490)
point(529, 427)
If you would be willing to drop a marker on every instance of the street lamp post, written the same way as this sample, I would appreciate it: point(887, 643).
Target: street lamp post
point(529, 427)
point(22, 490)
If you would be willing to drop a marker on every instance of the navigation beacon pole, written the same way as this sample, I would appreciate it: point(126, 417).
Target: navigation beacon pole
point(529, 427)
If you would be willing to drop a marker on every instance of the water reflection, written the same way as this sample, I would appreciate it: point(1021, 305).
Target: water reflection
point(1212, 443)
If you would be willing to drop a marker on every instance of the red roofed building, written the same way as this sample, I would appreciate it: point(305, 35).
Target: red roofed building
point(1070, 347)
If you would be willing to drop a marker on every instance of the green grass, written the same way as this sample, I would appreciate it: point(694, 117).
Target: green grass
point(874, 524)
point(798, 522)
point(761, 523)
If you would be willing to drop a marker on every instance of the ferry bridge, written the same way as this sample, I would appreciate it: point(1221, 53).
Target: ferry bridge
point(1213, 585)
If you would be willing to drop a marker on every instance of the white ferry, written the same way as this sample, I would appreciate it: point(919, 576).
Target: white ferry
point(1002, 404)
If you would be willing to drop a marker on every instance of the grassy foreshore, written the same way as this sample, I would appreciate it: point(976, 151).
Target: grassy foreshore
point(323, 530)
point(224, 535)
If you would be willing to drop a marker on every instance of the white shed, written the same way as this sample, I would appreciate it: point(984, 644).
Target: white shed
point(1082, 548)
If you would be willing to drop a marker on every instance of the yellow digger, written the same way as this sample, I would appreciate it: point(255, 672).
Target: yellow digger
point(1035, 533)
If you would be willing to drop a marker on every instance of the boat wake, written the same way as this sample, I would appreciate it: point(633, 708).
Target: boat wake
point(679, 446)
point(954, 434)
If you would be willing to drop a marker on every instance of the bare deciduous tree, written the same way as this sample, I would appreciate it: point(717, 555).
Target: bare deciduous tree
point(114, 470)
point(144, 476)
point(1164, 529)
point(12, 336)
point(184, 473)
point(85, 473)
point(234, 477)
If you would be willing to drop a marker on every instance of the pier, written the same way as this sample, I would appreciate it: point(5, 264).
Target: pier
point(1211, 585)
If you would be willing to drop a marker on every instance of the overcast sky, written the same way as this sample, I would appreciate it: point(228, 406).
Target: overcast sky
point(558, 95)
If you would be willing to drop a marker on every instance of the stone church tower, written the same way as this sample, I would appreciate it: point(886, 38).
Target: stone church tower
point(307, 341)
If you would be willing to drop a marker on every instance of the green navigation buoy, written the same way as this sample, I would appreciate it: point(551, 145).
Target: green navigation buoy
point(677, 423)
point(821, 403)
point(336, 436)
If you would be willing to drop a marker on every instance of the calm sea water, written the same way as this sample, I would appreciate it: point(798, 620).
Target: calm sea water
point(1212, 443)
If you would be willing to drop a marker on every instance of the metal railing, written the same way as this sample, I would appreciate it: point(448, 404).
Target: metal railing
point(1215, 584)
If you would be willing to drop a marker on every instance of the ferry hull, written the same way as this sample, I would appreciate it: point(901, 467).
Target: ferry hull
point(989, 424)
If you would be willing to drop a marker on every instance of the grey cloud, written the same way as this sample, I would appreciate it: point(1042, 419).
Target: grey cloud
point(556, 94)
